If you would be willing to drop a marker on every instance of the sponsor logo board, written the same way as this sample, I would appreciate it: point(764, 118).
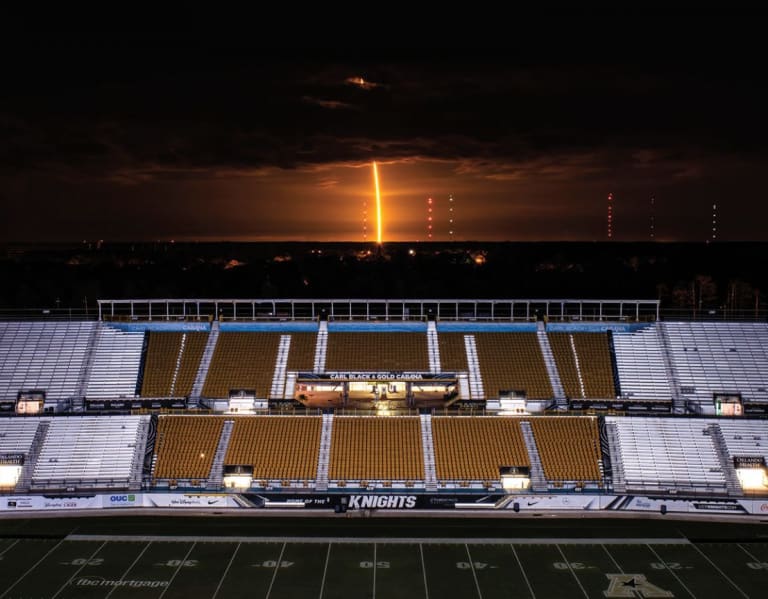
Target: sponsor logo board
point(123, 500)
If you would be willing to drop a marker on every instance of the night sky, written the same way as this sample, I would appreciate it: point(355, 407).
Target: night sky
point(128, 136)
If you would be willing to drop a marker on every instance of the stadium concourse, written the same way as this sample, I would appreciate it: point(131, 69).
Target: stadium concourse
point(380, 404)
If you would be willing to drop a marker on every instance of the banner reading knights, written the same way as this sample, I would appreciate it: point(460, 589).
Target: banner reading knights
point(372, 501)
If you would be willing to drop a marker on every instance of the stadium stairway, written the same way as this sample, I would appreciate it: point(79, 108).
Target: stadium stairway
point(137, 468)
point(617, 469)
point(24, 483)
point(430, 474)
point(216, 476)
point(205, 363)
point(321, 348)
point(476, 389)
point(678, 403)
point(277, 389)
point(576, 362)
point(433, 348)
point(732, 481)
point(177, 367)
point(549, 362)
point(85, 371)
point(538, 480)
point(324, 455)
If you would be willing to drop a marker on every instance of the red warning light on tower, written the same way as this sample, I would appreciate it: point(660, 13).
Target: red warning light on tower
point(430, 214)
point(610, 216)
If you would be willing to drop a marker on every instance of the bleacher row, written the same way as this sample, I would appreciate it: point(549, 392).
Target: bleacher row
point(662, 361)
point(83, 452)
point(648, 455)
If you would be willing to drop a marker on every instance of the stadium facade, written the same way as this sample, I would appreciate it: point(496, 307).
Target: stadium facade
point(384, 404)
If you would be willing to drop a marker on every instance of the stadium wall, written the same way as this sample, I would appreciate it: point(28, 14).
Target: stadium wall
point(525, 504)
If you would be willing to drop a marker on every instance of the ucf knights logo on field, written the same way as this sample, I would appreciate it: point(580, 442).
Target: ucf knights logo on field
point(633, 585)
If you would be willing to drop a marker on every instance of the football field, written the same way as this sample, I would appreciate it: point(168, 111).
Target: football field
point(86, 564)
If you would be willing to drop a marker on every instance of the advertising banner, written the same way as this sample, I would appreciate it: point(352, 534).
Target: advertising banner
point(122, 500)
point(189, 500)
point(49, 502)
point(373, 501)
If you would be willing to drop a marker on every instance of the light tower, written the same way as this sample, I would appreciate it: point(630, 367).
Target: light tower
point(652, 224)
point(450, 217)
point(430, 214)
point(365, 220)
point(714, 222)
point(610, 216)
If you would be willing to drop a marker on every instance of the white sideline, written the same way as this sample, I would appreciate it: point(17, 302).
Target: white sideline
point(389, 540)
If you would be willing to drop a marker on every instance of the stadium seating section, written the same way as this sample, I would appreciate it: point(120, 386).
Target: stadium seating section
point(278, 447)
point(376, 448)
point(569, 448)
point(584, 363)
point(242, 361)
point(719, 357)
point(377, 351)
point(669, 361)
point(302, 353)
point(171, 363)
point(17, 435)
point(48, 356)
point(512, 362)
point(474, 448)
point(186, 445)
point(115, 366)
point(641, 365)
point(666, 453)
point(88, 451)
point(453, 353)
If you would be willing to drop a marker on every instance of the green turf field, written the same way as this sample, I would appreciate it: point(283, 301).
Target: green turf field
point(173, 557)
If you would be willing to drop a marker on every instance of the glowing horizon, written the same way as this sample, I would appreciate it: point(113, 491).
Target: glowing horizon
point(378, 203)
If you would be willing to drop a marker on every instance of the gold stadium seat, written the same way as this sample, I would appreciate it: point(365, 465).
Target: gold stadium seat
point(512, 361)
point(242, 361)
point(186, 445)
point(474, 448)
point(569, 447)
point(594, 366)
point(453, 354)
point(302, 353)
point(377, 351)
point(277, 447)
point(163, 352)
point(376, 448)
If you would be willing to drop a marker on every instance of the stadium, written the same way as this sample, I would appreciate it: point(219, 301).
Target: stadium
point(351, 408)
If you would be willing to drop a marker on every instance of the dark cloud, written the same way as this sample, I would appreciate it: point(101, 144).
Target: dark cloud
point(605, 110)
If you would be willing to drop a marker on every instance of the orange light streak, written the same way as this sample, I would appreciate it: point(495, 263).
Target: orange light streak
point(378, 203)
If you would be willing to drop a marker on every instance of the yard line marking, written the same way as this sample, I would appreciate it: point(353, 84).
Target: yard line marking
point(387, 540)
point(40, 561)
point(576, 578)
point(615, 563)
point(138, 557)
point(226, 571)
point(424, 572)
point(274, 574)
point(723, 574)
point(9, 547)
point(672, 572)
point(180, 566)
point(525, 576)
point(325, 571)
point(374, 571)
point(474, 574)
point(71, 578)
point(747, 552)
